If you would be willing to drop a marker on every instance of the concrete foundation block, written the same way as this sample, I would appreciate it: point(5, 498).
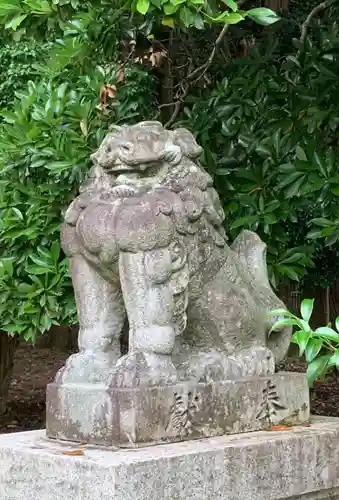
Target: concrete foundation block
point(301, 463)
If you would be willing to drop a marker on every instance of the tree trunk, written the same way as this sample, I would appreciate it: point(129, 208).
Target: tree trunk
point(166, 90)
point(289, 293)
point(334, 301)
point(7, 350)
point(277, 4)
point(61, 337)
point(321, 314)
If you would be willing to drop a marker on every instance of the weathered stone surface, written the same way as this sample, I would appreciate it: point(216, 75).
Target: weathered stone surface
point(297, 464)
point(80, 412)
point(154, 415)
point(145, 239)
point(146, 243)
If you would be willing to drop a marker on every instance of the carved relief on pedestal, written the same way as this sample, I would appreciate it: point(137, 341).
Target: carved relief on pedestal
point(182, 418)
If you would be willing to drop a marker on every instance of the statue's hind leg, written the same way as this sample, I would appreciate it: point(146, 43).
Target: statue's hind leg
point(226, 333)
point(250, 253)
point(230, 321)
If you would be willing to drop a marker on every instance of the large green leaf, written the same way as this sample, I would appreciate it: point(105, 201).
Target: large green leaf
point(9, 7)
point(15, 22)
point(301, 338)
point(143, 6)
point(281, 323)
point(263, 16)
point(327, 333)
point(244, 221)
point(317, 368)
point(231, 4)
point(313, 348)
point(306, 308)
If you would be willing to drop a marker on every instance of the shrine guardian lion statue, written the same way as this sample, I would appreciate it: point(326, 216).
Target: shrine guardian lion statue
point(145, 240)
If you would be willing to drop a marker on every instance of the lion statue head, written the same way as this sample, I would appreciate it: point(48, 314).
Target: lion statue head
point(147, 161)
point(135, 159)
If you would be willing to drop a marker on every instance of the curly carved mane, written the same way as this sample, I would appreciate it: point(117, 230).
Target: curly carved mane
point(177, 155)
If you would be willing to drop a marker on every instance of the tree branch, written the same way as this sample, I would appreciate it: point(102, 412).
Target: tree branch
point(204, 67)
point(177, 106)
point(196, 74)
point(314, 12)
point(199, 72)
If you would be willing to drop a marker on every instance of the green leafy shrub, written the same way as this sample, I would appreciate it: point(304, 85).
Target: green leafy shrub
point(320, 346)
point(45, 144)
point(60, 95)
point(269, 132)
point(270, 141)
point(17, 67)
point(173, 13)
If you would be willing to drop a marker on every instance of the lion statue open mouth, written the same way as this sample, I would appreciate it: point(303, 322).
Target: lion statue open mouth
point(145, 240)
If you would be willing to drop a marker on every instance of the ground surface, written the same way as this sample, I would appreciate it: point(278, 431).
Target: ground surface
point(34, 368)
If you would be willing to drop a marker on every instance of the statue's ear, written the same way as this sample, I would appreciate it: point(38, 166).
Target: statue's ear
point(153, 126)
point(94, 157)
point(114, 128)
point(185, 140)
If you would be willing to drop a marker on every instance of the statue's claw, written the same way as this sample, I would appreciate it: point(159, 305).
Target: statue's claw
point(146, 369)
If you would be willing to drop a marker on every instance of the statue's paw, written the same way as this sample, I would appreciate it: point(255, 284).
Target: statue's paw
point(255, 362)
point(227, 368)
point(87, 368)
point(206, 373)
point(209, 366)
point(213, 365)
point(143, 369)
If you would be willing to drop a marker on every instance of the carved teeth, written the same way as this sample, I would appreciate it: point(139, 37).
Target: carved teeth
point(121, 167)
point(127, 176)
point(123, 191)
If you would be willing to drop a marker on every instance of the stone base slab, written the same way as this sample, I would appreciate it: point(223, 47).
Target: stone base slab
point(300, 463)
point(147, 416)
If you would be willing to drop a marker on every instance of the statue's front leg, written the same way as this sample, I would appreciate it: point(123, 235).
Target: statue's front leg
point(101, 318)
point(150, 305)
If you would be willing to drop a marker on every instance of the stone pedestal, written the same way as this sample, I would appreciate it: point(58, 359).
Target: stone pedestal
point(300, 463)
point(95, 414)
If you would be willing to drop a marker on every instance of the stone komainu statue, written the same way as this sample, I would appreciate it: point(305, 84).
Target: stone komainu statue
point(145, 239)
